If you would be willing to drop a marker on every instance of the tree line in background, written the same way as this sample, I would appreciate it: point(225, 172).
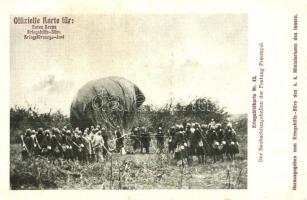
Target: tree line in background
point(23, 118)
point(200, 110)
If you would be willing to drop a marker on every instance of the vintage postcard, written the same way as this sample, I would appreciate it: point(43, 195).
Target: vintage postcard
point(134, 101)
point(129, 101)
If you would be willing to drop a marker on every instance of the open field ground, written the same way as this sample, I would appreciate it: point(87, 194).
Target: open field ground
point(132, 171)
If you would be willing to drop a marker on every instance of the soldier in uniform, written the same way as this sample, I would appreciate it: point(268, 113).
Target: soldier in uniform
point(231, 141)
point(198, 144)
point(188, 130)
point(145, 140)
point(212, 124)
point(204, 130)
point(180, 152)
point(44, 142)
point(47, 142)
point(88, 146)
point(119, 139)
point(26, 144)
point(206, 142)
point(79, 144)
point(91, 137)
point(230, 134)
point(212, 136)
point(135, 139)
point(177, 142)
point(105, 137)
point(221, 140)
point(55, 152)
point(219, 133)
point(189, 143)
point(59, 139)
point(36, 149)
point(171, 139)
point(160, 139)
point(75, 146)
point(97, 146)
point(39, 137)
point(92, 133)
point(69, 142)
point(213, 141)
point(62, 142)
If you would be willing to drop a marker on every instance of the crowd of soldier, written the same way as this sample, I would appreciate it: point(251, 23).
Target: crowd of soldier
point(87, 146)
point(184, 141)
point(190, 139)
point(203, 141)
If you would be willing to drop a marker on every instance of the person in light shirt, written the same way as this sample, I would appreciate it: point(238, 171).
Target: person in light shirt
point(97, 144)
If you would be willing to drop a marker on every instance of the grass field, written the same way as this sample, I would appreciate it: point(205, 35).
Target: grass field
point(138, 171)
point(134, 171)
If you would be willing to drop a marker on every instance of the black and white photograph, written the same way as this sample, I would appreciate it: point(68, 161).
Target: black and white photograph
point(128, 101)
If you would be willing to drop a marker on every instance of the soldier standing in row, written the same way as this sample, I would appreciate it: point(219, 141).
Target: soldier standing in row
point(105, 137)
point(69, 142)
point(54, 143)
point(97, 146)
point(160, 139)
point(36, 147)
point(180, 152)
point(231, 141)
point(145, 140)
point(40, 137)
point(26, 144)
point(189, 148)
point(219, 133)
point(75, 147)
point(171, 139)
point(230, 134)
point(80, 145)
point(212, 123)
point(135, 139)
point(198, 144)
point(119, 139)
point(88, 145)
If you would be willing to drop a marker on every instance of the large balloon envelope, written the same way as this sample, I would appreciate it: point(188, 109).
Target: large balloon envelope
point(110, 102)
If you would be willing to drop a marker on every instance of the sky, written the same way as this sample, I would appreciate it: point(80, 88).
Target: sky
point(177, 57)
